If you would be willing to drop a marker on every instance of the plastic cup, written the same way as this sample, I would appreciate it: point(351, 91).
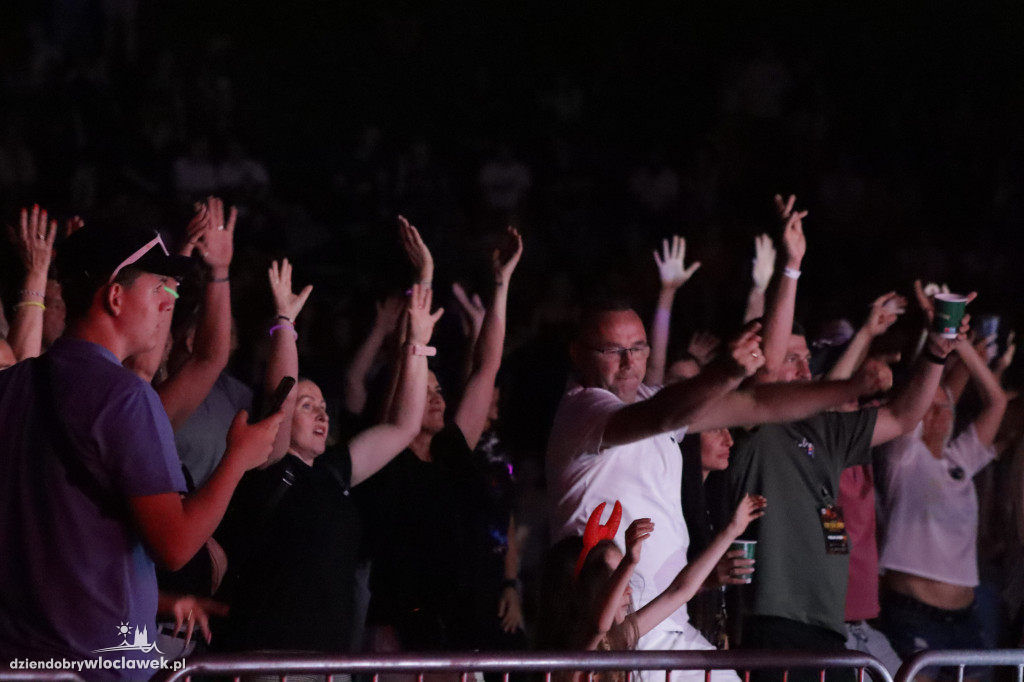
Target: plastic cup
point(949, 310)
point(749, 549)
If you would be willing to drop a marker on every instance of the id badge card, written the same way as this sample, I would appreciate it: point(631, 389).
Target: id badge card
point(837, 540)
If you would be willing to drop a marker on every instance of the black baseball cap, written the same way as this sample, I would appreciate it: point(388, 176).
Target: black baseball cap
point(97, 253)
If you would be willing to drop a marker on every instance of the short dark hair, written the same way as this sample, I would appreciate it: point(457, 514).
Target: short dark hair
point(594, 309)
point(78, 292)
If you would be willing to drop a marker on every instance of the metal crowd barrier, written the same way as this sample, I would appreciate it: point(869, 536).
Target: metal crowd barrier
point(466, 665)
point(960, 659)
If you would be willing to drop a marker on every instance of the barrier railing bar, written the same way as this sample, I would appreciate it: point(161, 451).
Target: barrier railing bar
point(419, 664)
point(960, 658)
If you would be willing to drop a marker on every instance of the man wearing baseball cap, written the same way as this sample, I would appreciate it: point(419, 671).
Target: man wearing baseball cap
point(90, 483)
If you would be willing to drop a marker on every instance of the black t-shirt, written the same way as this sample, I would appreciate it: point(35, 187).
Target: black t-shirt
point(292, 556)
point(427, 536)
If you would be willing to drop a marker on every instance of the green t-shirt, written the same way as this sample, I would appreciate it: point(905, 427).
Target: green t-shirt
point(797, 467)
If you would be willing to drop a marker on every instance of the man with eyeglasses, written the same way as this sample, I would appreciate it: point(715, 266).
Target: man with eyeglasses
point(90, 481)
point(615, 438)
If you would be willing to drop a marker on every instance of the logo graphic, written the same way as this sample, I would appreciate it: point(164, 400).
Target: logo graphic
point(808, 446)
point(139, 643)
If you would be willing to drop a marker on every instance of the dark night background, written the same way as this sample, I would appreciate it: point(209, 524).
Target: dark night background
point(898, 125)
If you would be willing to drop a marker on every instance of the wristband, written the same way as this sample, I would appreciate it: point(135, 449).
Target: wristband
point(219, 280)
point(285, 318)
point(29, 292)
point(284, 326)
point(791, 273)
point(510, 582)
point(932, 357)
point(419, 349)
point(36, 304)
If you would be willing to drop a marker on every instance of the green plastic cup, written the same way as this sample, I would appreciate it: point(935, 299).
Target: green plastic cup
point(748, 547)
point(949, 311)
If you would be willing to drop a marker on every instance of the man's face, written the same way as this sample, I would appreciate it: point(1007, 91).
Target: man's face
point(147, 309)
point(796, 364)
point(613, 354)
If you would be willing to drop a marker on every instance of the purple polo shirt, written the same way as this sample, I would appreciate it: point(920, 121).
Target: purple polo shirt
point(70, 577)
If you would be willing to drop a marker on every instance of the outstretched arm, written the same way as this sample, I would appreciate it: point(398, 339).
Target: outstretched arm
point(993, 399)
point(904, 412)
point(781, 304)
point(680, 404)
point(376, 446)
point(284, 354)
point(884, 312)
point(471, 415)
point(673, 274)
point(188, 385)
point(388, 313)
point(614, 593)
point(34, 240)
point(791, 401)
point(689, 580)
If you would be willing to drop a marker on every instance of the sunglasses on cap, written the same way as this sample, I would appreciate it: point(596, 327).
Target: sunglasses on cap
point(146, 248)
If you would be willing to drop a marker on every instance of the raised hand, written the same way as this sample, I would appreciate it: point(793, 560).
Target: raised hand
point(417, 251)
point(751, 507)
point(389, 311)
point(287, 303)
point(637, 532)
point(792, 231)
point(506, 257)
point(421, 321)
point(472, 309)
point(196, 230)
point(218, 243)
point(671, 263)
point(874, 375)
point(702, 346)
point(1006, 359)
point(74, 224)
point(885, 310)
point(34, 240)
point(764, 262)
point(745, 349)
point(924, 294)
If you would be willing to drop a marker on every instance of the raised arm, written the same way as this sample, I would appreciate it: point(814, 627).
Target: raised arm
point(614, 593)
point(904, 412)
point(376, 446)
point(689, 580)
point(284, 354)
point(993, 399)
point(472, 312)
point(761, 276)
point(673, 274)
point(34, 240)
point(388, 313)
point(679, 404)
point(791, 401)
point(174, 529)
point(188, 385)
point(471, 414)
point(781, 303)
point(884, 312)
point(419, 254)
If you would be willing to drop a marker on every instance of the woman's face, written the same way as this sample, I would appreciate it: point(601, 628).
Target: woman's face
point(309, 422)
point(714, 449)
point(433, 415)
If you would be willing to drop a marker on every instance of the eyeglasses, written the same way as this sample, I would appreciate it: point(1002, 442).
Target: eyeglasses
point(639, 351)
point(156, 241)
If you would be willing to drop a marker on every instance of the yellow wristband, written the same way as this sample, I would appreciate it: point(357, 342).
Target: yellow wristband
point(32, 303)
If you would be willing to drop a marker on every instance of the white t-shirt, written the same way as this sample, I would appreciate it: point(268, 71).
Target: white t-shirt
point(645, 476)
point(932, 515)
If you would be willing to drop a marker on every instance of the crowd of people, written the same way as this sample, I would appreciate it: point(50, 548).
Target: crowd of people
point(149, 480)
point(137, 488)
